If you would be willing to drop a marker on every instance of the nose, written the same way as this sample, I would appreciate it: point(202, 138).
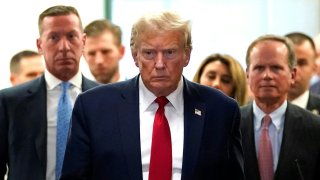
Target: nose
point(267, 74)
point(159, 62)
point(99, 58)
point(64, 44)
point(216, 83)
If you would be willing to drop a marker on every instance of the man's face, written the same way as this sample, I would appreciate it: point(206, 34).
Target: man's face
point(305, 69)
point(61, 44)
point(30, 68)
point(269, 75)
point(103, 56)
point(161, 58)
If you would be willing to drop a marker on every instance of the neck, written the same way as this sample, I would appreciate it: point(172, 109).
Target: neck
point(269, 106)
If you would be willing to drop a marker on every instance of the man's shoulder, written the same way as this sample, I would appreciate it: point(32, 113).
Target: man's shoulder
point(303, 114)
point(22, 89)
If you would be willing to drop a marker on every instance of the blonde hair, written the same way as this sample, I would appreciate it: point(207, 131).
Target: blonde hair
point(240, 91)
point(160, 22)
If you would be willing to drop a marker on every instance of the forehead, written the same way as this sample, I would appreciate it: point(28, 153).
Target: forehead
point(61, 23)
point(161, 39)
point(269, 50)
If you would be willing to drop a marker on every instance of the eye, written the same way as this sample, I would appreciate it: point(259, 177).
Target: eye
point(211, 75)
point(302, 62)
point(149, 54)
point(276, 68)
point(54, 37)
point(170, 53)
point(258, 68)
point(72, 36)
point(226, 79)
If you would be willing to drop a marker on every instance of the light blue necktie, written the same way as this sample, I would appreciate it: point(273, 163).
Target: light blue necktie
point(63, 121)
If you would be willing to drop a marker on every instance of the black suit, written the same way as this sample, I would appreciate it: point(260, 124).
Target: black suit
point(105, 136)
point(300, 148)
point(313, 104)
point(23, 129)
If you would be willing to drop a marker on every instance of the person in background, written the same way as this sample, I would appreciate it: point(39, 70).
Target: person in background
point(24, 66)
point(103, 50)
point(299, 93)
point(280, 140)
point(315, 81)
point(195, 133)
point(225, 73)
point(34, 117)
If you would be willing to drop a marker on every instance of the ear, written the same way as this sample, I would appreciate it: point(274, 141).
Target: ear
point(135, 57)
point(122, 51)
point(13, 79)
point(39, 46)
point(247, 72)
point(187, 57)
point(84, 38)
point(293, 75)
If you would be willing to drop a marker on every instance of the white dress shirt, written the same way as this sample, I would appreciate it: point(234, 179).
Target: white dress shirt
point(53, 94)
point(275, 129)
point(174, 112)
point(302, 100)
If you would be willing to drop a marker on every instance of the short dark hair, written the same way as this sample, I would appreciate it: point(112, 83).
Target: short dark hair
point(16, 59)
point(59, 10)
point(298, 38)
point(99, 26)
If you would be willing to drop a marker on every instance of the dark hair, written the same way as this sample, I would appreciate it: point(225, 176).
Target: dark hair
point(298, 38)
point(16, 59)
point(99, 26)
point(59, 10)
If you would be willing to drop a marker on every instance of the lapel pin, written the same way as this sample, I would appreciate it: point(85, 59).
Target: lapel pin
point(197, 112)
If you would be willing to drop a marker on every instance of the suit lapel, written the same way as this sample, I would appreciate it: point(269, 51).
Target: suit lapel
point(194, 114)
point(292, 130)
point(87, 84)
point(35, 122)
point(249, 149)
point(130, 128)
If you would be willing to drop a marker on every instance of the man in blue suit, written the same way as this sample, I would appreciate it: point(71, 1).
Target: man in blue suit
point(28, 112)
point(113, 132)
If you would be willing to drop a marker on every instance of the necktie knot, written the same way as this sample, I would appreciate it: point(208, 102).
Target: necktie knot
point(266, 122)
point(162, 101)
point(65, 85)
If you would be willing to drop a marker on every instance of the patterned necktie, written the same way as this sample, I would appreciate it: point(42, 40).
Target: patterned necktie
point(161, 150)
point(265, 158)
point(63, 119)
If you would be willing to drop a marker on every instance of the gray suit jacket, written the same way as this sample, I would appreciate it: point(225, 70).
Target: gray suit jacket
point(23, 129)
point(300, 149)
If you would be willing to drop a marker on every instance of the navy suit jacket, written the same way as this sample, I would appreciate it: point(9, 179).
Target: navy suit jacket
point(23, 129)
point(299, 157)
point(105, 135)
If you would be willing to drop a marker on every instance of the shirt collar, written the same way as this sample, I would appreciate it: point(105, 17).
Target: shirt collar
point(53, 82)
point(277, 116)
point(148, 97)
point(302, 100)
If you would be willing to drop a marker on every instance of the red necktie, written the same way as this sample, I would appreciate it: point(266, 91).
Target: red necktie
point(161, 151)
point(265, 158)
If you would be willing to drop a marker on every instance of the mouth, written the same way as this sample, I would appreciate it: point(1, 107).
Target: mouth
point(160, 78)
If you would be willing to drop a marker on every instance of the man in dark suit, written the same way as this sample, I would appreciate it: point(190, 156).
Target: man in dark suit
point(28, 112)
point(113, 135)
point(280, 140)
point(306, 54)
